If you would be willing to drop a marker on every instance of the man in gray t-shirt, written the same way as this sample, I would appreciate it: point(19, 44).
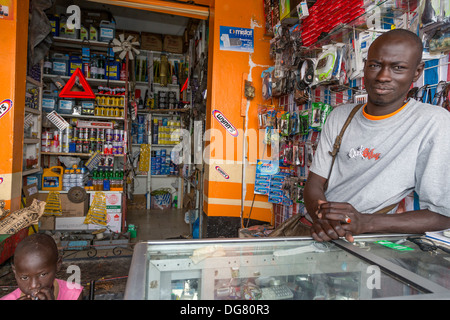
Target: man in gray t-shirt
point(390, 149)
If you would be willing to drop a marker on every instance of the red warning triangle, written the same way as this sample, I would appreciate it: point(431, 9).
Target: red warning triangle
point(81, 84)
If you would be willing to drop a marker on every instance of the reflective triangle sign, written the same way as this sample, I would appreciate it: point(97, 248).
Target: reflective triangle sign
point(77, 87)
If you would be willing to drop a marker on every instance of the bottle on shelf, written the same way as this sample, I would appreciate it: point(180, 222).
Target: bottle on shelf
point(48, 65)
point(106, 181)
point(101, 67)
point(123, 72)
point(94, 67)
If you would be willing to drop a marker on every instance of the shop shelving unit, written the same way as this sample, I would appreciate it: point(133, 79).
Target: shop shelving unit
point(32, 134)
point(150, 115)
point(72, 45)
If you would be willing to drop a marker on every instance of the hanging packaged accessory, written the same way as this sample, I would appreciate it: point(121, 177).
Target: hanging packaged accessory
point(325, 64)
point(284, 128)
point(304, 122)
point(306, 74)
point(294, 123)
point(301, 155)
point(319, 114)
point(267, 83)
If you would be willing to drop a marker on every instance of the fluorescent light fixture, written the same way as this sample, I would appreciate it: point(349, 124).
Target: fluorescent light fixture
point(186, 10)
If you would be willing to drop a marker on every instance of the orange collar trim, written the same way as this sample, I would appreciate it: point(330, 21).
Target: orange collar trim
point(370, 117)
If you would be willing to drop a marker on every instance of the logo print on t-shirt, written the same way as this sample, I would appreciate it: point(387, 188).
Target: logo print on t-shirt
point(363, 153)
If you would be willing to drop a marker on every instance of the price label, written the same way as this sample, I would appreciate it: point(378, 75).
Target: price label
point(5, 106)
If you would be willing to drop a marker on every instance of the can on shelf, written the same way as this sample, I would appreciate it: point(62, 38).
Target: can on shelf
point(101, 135)
point(79, 147)
point(109, 135)
point(65, 148)
point(116, 135)
point(92, 134)
point(85, 147)
point(45, 145)
point(47, 135)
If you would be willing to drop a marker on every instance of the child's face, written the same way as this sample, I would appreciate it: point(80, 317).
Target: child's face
point(34, 272)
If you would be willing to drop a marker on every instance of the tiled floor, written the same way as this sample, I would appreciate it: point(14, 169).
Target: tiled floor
point(157, 224)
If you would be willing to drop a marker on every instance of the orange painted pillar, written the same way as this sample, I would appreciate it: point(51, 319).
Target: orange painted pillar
point(230, 166)
point(13, 59)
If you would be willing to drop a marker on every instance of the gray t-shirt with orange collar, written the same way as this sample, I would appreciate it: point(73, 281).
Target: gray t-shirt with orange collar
point(381, 161)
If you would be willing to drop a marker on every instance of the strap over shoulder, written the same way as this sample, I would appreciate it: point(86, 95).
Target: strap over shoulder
point(338, 140)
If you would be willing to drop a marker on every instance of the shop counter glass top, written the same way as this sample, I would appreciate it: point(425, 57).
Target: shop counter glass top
point(296, 268)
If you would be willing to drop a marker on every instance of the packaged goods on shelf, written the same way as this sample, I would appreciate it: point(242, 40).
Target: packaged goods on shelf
point(32, 98)
point(74, 177)
point(165, 131)
point(162, 164)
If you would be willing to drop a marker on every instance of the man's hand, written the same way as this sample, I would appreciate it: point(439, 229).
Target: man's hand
point(336, 220)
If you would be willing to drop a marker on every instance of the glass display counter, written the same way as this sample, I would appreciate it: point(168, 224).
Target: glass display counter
point(373, 267)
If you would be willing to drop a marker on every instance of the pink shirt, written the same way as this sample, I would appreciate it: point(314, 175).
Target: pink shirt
point(64, 293)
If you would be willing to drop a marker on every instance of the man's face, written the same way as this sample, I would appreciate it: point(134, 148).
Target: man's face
point(389, 71)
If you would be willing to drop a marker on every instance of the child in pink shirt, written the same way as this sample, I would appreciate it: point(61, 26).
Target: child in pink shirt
point(35, 264)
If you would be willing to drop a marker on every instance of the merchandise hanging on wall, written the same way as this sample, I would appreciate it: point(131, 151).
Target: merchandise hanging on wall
point(318, 65)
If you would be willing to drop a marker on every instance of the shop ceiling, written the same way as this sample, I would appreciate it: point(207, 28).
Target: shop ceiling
point(198, 9)
point(135, 19)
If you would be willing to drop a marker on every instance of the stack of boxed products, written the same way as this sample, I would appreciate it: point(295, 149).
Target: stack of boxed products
point(103, 178)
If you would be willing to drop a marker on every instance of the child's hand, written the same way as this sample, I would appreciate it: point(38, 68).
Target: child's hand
point(45, 294)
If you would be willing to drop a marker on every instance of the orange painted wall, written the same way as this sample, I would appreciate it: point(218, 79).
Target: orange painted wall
point(227, 71)
point(13, 58)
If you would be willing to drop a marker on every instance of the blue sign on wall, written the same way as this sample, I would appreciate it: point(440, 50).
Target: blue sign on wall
point(236, 39)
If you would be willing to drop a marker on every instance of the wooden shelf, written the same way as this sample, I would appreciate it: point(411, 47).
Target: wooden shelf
point(30, 171)
point(31, 140)
point(90, 80)
point(163, 110)
point(79, 42)
point(33, 111)
point(73, 154)
point(90, 117)
point(33, 81)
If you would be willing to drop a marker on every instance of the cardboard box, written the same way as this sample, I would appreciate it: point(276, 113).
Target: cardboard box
point(47, 223)
point(114, 223)
point(31, 192)
point(173, 44)
point(151, 41)
point(113, 201)
point(69, 209)
point(94, 17)
point(136, 35)
point(70, 223)
point(113, 210)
